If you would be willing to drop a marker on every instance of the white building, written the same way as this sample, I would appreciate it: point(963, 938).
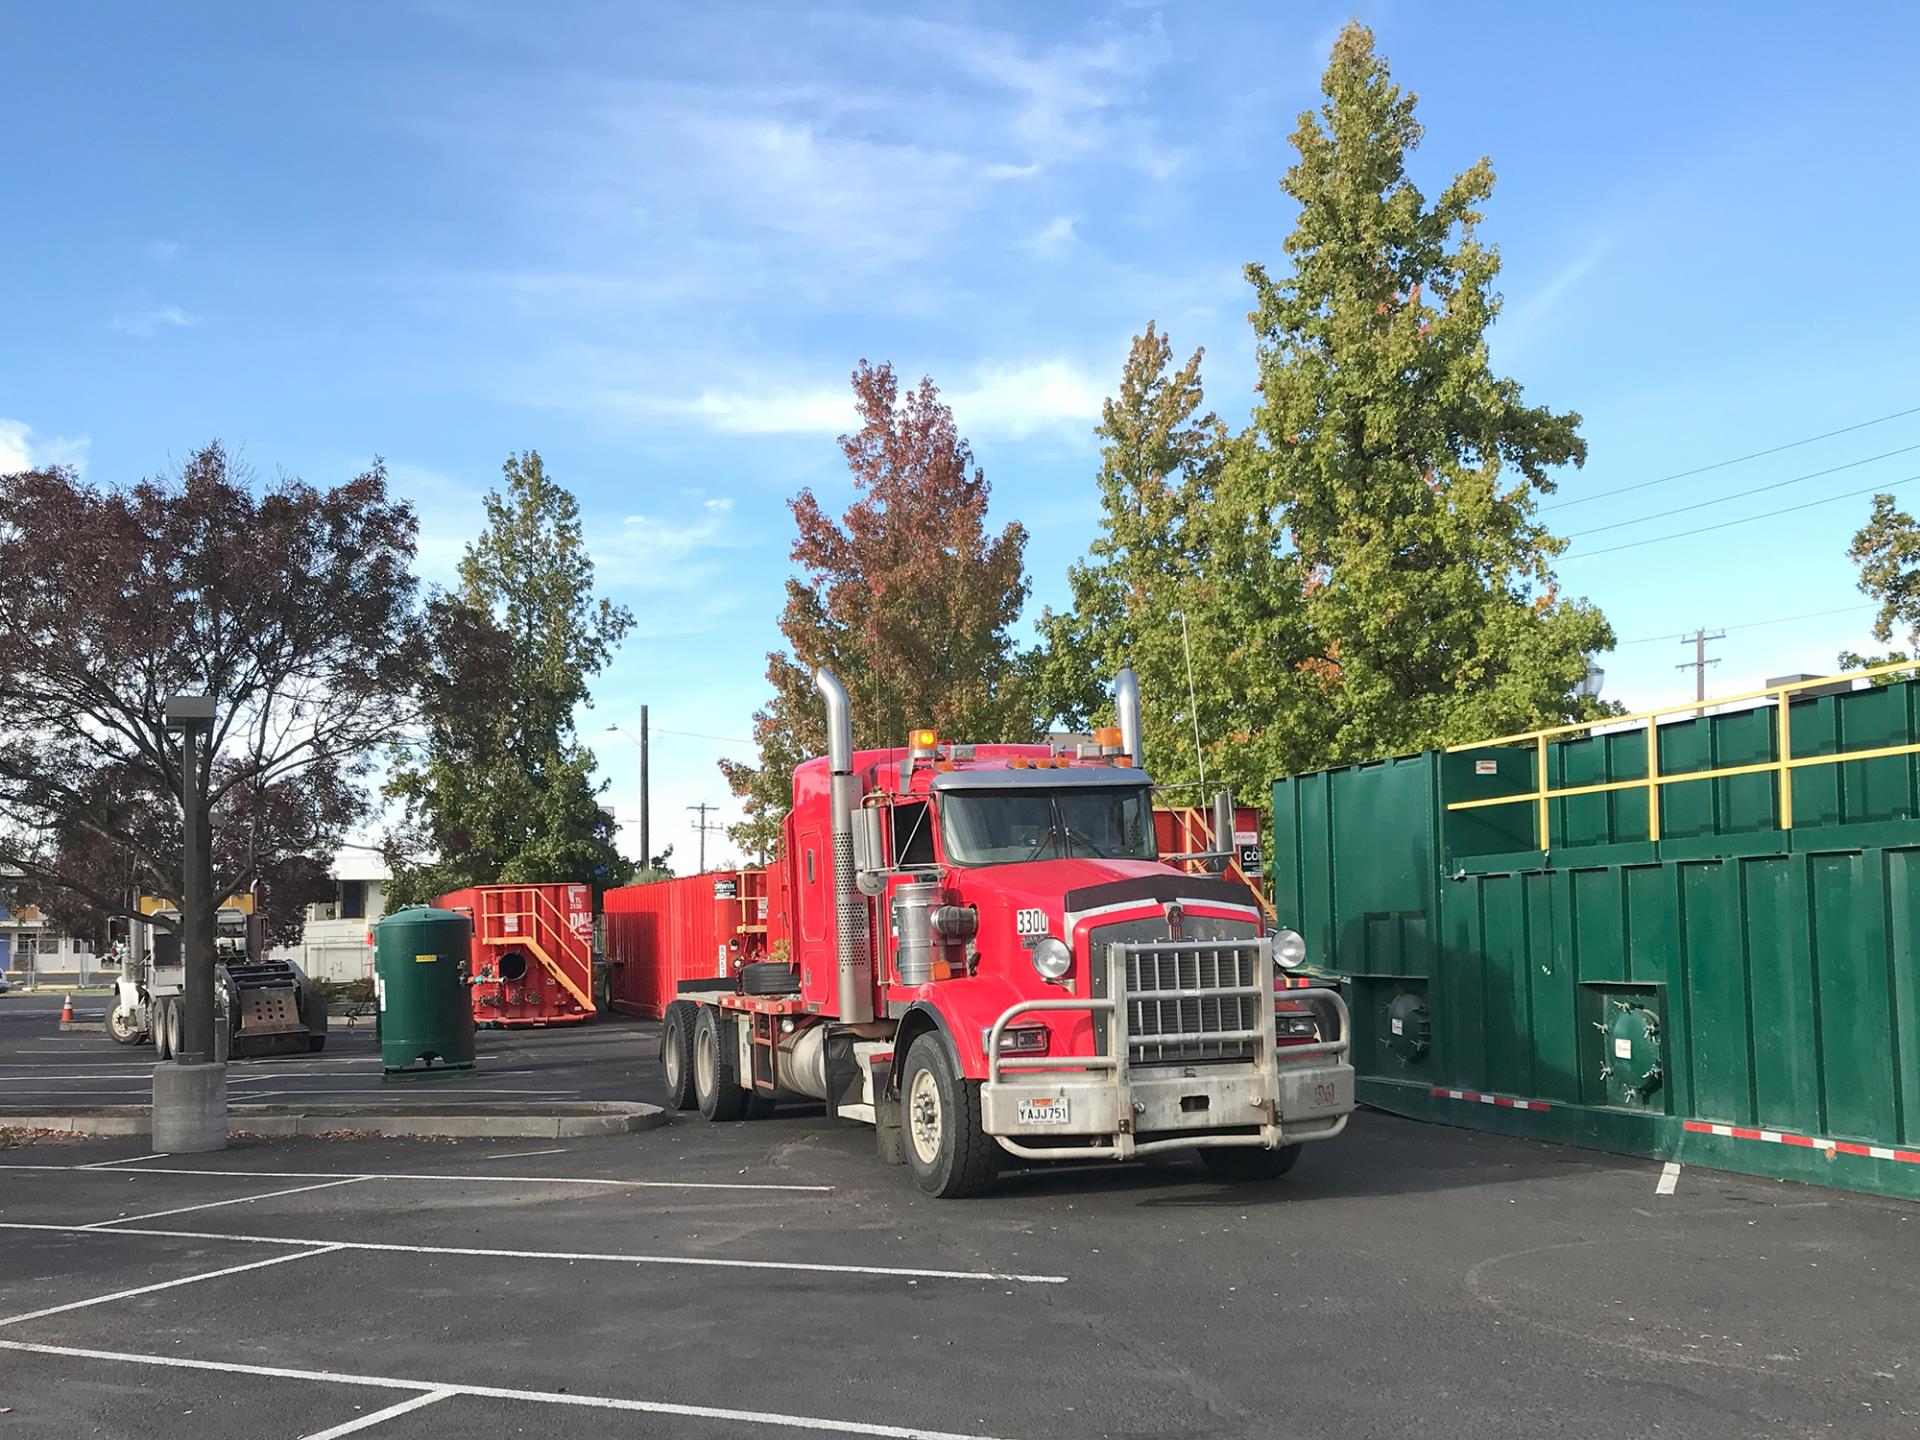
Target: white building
point(337, 943)
point(29, 950)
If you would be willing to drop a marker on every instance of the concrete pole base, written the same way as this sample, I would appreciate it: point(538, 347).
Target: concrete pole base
point(189, 1108)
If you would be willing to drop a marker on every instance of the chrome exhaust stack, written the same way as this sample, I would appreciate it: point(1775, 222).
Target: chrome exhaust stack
point(849, 905)
point(1126, 710)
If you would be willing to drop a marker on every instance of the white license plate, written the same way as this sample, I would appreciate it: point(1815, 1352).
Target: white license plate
point(1043, 1112)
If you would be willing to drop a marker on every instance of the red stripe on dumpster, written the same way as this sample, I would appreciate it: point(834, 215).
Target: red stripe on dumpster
point(1810, 1142)
point(1505, 1102)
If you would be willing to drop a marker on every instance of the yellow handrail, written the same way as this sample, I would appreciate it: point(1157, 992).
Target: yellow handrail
point(1781, 767)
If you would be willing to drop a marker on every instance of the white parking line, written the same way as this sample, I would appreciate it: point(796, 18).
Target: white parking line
point(772, 1419)
point(127, 1160)
point(137, 1169)
point(707, 1262)
point(164, 1285)
point(216, 1204)
point(367, 1422)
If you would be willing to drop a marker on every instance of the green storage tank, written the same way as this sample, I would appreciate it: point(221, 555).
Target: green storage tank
point(1720, 968)
point(419, 971)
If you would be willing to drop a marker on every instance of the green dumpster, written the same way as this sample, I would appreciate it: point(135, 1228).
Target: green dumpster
point(419, 973)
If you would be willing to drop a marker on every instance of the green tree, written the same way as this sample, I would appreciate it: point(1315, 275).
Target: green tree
point(1172, 548)
point(1887, 550)
point(906, 597)
point(497, 787)
point(1405, 468)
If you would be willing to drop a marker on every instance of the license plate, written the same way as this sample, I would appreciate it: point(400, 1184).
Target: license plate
point(1043, 1112)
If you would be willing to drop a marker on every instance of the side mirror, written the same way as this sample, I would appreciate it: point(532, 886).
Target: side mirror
point(870, 862)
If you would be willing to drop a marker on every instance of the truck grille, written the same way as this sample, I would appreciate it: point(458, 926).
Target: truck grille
point(1192, 1001)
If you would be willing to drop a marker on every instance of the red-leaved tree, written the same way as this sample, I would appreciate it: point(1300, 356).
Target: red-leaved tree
point(906, 597)
point(291, 606)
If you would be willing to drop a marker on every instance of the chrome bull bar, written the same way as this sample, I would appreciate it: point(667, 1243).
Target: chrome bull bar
point(1122, 1089)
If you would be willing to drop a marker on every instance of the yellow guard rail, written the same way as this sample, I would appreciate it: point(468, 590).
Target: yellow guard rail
point(1782, 766)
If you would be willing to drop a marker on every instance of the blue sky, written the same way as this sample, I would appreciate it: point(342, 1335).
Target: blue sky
point(652, 241)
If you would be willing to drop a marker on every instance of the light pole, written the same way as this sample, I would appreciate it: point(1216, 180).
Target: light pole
point(646, 847)
point(1591, 681)
point(190, 1093)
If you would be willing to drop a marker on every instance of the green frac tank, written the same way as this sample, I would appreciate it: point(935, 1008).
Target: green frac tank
point(419, 973)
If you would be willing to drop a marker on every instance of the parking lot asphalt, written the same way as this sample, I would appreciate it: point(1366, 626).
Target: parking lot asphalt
point(39, 1063)
point(770, 1277)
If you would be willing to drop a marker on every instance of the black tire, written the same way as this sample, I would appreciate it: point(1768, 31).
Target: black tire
point(716, 1082)
point(316, 1043)
point(157, 1017)
point(1245, 1165)
point(768, 977)
point(176, 1027)
point(950, 1154)
point(676, 1053)
point(123, 1025)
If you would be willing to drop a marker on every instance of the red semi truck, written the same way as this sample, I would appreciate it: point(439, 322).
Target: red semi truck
point(976, 949)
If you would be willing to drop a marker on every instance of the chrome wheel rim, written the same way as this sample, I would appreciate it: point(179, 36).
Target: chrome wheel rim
point(703, 1069)
point(923, 1116)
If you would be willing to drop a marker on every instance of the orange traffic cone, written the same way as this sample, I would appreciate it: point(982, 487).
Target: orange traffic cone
point(66, 1011)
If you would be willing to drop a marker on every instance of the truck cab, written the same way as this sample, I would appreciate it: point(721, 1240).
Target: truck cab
point(985, 956)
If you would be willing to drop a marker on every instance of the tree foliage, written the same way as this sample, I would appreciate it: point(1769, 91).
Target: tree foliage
point(1362, 572)
point(291, 606)
point(496, 787)
point(1406, 468)
point(1887, 551)
point(906, 597)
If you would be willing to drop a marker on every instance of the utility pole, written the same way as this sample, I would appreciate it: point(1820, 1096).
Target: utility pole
point(1699, 640)
point(702, 827)
point(646, 846)
point(646, 835)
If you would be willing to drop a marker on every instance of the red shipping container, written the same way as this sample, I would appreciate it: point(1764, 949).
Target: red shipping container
point(532, 961)
point(698, 927)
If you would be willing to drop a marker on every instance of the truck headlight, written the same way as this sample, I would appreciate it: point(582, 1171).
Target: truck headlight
point(1051, 958)
point(1289, 950)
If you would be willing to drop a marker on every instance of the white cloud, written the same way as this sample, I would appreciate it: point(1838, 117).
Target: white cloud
point(1011, 401)
point(21, 449)
point(1518, 324)
point(163, 250)
point(147, 320)
point(824, 411)
point(1016, 401)
point(1054, 237)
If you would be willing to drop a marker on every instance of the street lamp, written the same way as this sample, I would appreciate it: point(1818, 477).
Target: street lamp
point(190, 1093)
point(646, 850)
point(1589, 686)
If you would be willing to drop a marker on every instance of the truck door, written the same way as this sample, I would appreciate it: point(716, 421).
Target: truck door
point(813, 864)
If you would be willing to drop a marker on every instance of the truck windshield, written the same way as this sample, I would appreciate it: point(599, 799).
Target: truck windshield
point(1004, 827)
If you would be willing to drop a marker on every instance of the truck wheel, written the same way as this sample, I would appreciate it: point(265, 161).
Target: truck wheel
point(123, 1025)
point(716, 1082)
point(676, 1053)
point(316, 1043)
point(176, 1027)
point(768, 977)
point(950, 1155)
point(1242, 1165)
point(157, 1018)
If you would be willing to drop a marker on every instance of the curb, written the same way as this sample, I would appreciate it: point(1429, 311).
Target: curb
point(564, 1121)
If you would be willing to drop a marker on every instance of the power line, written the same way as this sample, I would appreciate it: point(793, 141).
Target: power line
point(1736, 460)
point(1739, 494)
point(1753, 624)
point(1743, 520)
point(725, 739)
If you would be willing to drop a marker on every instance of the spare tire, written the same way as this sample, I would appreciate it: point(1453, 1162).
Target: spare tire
point(768, 977)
